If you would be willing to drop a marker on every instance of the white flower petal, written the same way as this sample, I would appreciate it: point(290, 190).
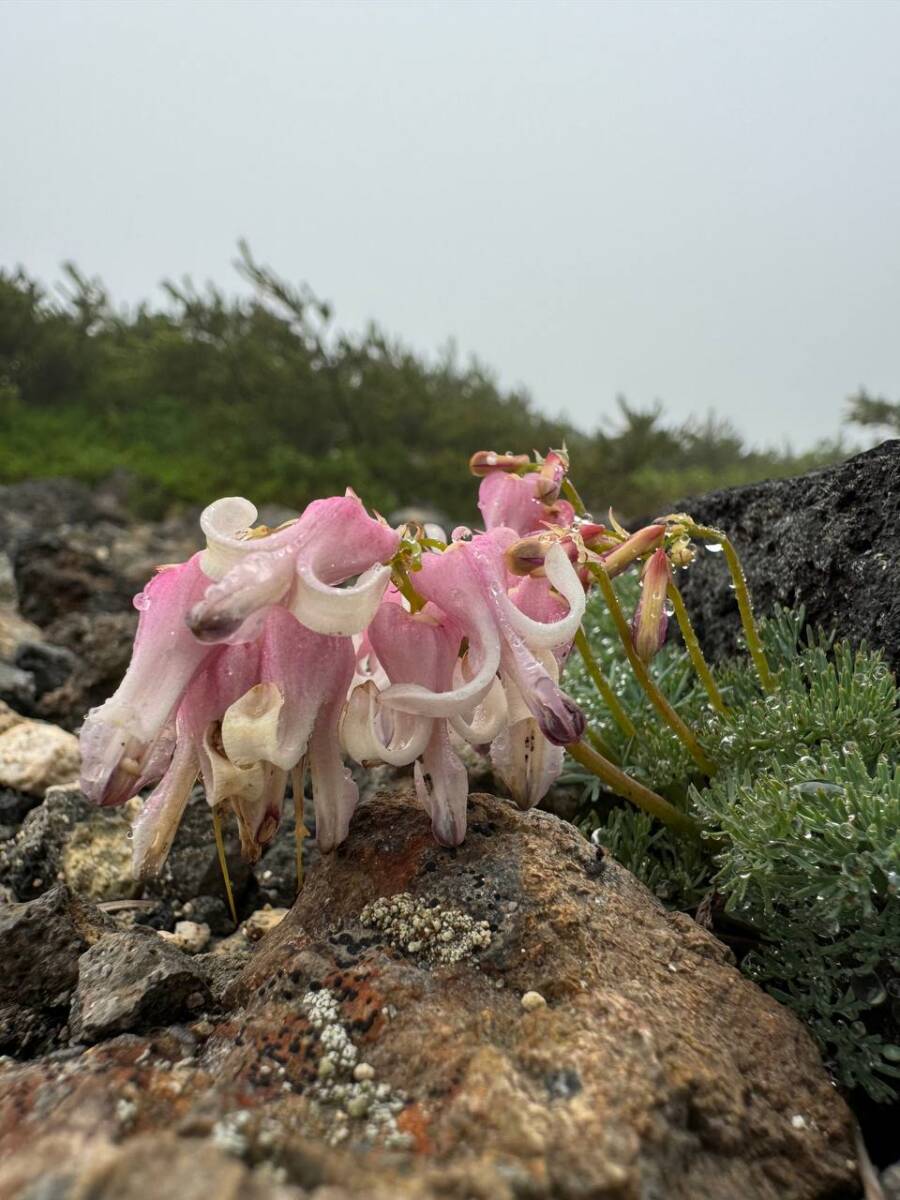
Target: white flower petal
point(334, 610)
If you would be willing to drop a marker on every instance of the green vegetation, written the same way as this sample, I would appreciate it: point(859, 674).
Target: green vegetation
point(208, 395)
point(799, 860)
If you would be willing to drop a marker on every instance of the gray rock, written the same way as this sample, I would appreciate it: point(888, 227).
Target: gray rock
point(17, 688)
point(49, 666)
point(40, 944)
point(15, 806)
point(131, 980)
point(829, 540)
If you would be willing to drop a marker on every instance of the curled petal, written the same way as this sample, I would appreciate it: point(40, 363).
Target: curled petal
point(442, 786)
point(254, 582)
point(250, 725)
point(563, 576)
point(362, 739)
point(489, 717)
point(334, 610)
point(560, 719)
point(484, 644)
point(118, 738)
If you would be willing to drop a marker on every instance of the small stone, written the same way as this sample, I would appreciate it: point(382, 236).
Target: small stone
point(533, 1000)
point(35, 756)
point(363, 1071)
point(190, 936)
point(258, 924)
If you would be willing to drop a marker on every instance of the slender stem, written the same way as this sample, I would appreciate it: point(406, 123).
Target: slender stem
point(223, 862)
point(571, 494)
point(742, 594)
point(403, 583)
point(599, 745)
point(610, 699)
point(654, 695)
point(623, 785)
point(701, 666)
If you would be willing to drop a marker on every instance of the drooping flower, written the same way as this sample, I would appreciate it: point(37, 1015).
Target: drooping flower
point(255, 712)
point(468, 583)
point(275, 600)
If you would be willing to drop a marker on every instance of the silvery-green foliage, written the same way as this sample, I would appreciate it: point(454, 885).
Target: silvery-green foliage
point(801, 824)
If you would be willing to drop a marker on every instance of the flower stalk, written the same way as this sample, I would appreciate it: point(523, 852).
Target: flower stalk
point(602, 684)
point(742, 594)
point(692, 644)
point(629, 789)
point(653, 693)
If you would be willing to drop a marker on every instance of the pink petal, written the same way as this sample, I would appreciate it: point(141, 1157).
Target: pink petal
point(442, 786)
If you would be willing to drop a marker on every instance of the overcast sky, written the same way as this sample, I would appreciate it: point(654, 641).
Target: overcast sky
point(696, 202)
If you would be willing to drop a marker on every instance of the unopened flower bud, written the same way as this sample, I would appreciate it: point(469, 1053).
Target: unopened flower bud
point(648, 628)
point(597, 537)
point(483, 462)
point(634, 547)
point(550, 476)
point(526, 556)
point(682, 552)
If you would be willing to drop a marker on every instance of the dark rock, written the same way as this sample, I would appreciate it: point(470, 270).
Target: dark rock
point(211, 911)
point(40, 944)
point(49, 666)
point(54, 577)
point(131, 980)
point(43, 504)
point(829, 540)
point(17, 688)
point(15, 806)
point(101, 644)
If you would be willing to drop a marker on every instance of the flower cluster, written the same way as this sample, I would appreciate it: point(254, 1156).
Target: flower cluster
point(274, 651)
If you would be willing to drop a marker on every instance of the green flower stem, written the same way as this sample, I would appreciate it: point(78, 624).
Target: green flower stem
point(742, 593)
point(223, 862)
point(403, 584)
point(623, 785)
point(571, 494)
point(610, 699)
point(654, 695)
point(701, 666)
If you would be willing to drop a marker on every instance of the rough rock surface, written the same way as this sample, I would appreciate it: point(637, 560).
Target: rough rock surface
point(829, 540)
point(352, 1062)
point(40, 945)
point(130, 980)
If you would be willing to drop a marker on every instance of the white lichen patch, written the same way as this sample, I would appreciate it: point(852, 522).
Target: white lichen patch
point(347, 1097)
point(440, 935)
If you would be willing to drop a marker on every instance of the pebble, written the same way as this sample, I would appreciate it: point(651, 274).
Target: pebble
point(532, 1000)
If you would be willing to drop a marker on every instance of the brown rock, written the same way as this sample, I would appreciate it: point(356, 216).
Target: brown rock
point(653, 1070)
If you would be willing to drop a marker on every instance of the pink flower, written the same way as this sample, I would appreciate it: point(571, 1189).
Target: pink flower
point(274, 600)
point(526, 503)
point(251, 716)
point(468, 583)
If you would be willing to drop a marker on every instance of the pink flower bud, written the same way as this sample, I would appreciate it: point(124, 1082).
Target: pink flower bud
point(648, 628)
point(635, 547)
point(483, 462)
point(526, 556)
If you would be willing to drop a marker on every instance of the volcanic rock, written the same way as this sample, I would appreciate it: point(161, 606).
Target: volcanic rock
point(394, 1058)
point(829, 540)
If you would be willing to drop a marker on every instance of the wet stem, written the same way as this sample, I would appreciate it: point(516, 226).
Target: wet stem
point(742, 594)
point(610, 699)
point(701, 666)
point(629, 789)
point(654, 695)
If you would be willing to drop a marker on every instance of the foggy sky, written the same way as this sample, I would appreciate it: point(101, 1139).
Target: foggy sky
point(696, 202)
